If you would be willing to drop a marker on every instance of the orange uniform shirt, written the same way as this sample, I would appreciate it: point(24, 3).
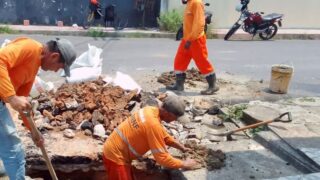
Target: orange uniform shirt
point(144, 132)
point(95, 2)
point(19, 63)
point(194, 20)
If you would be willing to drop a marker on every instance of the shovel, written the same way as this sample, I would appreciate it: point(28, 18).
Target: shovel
point(43, 150)
point(277, 119)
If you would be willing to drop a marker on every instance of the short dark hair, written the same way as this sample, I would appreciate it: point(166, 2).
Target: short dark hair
point(53, 47)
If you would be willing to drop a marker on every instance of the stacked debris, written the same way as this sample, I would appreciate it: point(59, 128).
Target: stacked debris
point(93, 107)
point(211, 159)
point(192, 74)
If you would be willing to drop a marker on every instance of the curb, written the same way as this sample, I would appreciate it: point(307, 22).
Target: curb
point(134, 33)
point(122, 34)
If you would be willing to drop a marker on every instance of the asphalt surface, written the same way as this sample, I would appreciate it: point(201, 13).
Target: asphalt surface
point(249, 58)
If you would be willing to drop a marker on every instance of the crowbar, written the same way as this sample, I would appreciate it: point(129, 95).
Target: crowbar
point(43, 150)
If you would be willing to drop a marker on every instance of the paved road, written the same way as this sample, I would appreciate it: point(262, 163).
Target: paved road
point(250, 58)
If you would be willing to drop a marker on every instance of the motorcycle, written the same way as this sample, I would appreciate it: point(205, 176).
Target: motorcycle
point(208, 19)
point(254, 23)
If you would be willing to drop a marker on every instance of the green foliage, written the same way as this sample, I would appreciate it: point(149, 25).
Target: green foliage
point(307, 99)
point(210, 34)
point(6, 30)
point(93, 32)
point(254, 131)
point(171, 20)
point(236, 112)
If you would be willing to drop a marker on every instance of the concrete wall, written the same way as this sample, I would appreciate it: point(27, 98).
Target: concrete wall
point(303, 14)
point(48, 12)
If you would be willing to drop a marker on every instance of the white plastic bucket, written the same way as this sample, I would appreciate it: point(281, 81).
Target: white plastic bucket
point(280, 78)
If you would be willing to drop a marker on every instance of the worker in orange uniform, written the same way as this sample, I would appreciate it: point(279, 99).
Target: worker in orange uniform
point(143, 132)
point(95, 2)
point(19, 63)
point(193, 46)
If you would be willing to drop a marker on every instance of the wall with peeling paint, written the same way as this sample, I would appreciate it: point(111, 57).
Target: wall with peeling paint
point(48, 12)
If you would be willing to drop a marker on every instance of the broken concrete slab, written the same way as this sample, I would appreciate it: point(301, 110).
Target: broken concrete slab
point(312, 153)
point(287, 152)
point(211, 121)
point(246, 159)
point(285, 139)
point(258, 113)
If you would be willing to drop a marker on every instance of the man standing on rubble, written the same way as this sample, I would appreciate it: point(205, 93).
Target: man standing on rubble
point(193, 46)
point(19, 63)
point(143, 132)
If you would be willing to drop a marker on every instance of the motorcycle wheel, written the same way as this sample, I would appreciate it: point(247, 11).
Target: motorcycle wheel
point(88, 21)
point(234, 28)
point(269, 33)
point(179, 34)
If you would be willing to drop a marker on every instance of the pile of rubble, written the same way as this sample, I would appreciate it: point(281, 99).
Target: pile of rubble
point(94, 107)
point(192, 130)
point(211, 159)
point(192, 74)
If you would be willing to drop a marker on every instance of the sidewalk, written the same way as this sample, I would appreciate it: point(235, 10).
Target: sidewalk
point(154, 33)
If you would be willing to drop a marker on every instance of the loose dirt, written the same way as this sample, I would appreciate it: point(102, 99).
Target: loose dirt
point(211, 159)
point(168, 78)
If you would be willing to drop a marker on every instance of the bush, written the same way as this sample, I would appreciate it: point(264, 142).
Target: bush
point(95, 32)
point(6, 30)
point(210, 34)
point(170, 21)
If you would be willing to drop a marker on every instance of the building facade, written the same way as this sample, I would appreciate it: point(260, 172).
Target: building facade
point(48, 12)
point(299, 14)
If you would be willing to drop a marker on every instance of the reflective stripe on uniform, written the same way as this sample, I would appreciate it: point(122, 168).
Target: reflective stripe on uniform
point(159, 150)
point(141, 115)
point(133, 151)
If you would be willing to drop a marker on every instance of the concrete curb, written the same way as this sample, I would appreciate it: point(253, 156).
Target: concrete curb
point(136, 33)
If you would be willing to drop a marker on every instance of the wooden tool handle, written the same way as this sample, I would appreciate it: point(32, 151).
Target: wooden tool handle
point(43, 150)
point(252, 126)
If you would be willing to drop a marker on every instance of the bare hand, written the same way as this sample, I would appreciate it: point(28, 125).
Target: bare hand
point(185, 149)
point(187, 45)
point(37, 138)
point(19, 103)
point(189, 164)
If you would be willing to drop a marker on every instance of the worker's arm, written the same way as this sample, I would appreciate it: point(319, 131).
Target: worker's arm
point(156, 141)
point(170, 141)
point(157, 145)
point(198, 21)
point(8, 60)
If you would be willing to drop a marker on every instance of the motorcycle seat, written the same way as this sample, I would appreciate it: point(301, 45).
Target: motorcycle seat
point(272, 16)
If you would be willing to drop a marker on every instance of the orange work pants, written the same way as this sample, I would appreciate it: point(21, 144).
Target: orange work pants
point(197, 51)
point(117, 172)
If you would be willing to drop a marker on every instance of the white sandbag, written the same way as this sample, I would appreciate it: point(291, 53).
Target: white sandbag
point(84, 74)
point(90, 58)
point(124, 81)
point(40, 86)
point(5, 42)
point(88, 66)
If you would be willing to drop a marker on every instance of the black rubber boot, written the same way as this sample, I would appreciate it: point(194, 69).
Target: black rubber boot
point(179, 85)
point(211, 79)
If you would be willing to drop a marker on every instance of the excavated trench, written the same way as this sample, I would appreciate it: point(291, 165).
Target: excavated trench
point(77, 119)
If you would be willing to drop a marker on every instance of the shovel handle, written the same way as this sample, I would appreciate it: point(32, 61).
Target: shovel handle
point(43, 150)
point(252, 126)
point(280, 118)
